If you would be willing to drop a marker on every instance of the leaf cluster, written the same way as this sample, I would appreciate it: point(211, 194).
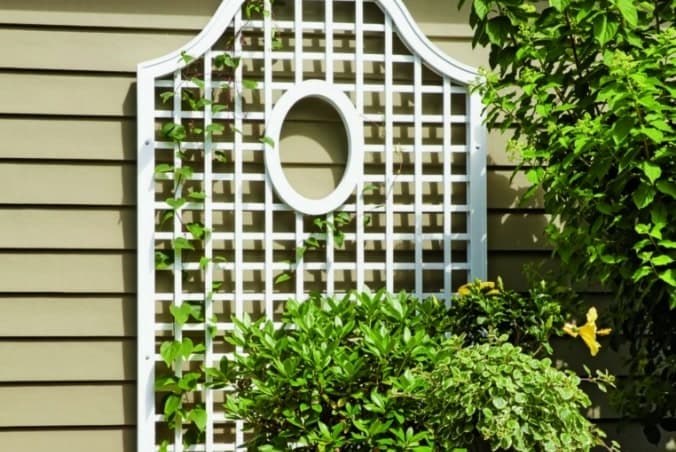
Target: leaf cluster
point(587, 87)
point(487, 309)
point(384, 372)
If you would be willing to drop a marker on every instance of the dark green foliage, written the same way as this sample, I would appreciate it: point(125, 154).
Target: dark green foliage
point(487, 309)
point(335, 376)
point(588, 88)
point(382, 372)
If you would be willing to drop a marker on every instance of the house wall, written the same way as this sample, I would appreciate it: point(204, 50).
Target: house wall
point(67, 214)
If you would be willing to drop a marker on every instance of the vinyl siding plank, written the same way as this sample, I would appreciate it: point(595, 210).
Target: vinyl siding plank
point(67, 405)
point(85, 50)
point(78, 139)
point(108, 229)
point(67, 94)
point(75, 440)
point(156, 14)
point(505, 191)
point(49, 360)
point(67, 316)
point(59, 272)
point(69, 184)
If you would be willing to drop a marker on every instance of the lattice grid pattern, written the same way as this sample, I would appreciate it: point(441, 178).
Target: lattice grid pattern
point(417, 212)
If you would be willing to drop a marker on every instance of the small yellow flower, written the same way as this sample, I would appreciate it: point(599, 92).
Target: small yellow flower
point(588, 331)
point(483, 286)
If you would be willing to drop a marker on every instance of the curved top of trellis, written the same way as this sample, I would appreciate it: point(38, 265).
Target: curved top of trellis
point(409, 32)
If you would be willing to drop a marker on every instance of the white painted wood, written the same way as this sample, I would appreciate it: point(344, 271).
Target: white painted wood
point(389, 159)
point(477, 192)
point(279, 96)
point(448, 156)
point(178, 260)
point(359, 91)
point(208, 247)
point(353, 127)
point(418, 181)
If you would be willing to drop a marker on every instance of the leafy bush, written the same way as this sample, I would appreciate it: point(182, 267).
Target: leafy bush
point(484, 309)
point(587, 87)
point(382, 372)
point(328, 379)
point(499, 397)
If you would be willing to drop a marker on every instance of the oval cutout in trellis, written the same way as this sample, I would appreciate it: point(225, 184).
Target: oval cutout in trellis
point(342, 104)
point(313, 148)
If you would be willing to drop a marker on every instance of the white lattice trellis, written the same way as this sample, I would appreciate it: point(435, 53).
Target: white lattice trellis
point(414, 132)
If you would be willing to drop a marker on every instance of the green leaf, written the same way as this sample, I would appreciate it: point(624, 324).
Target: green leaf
point(249, 84)
point(641, 273)
point(559, 5)
point(199, 417)
point(498, 29)
point(651, 170)
point(214, 128)
point(643, 196)
point(175, 204)
point(282, 278)
point(654, 134)
point(604, 31)
point(499, 403)
point(659, 261)
point(267, 140)
point(669, 277)
point(628, 10)
point(164, 168)
point(481, 8)
point(165, 96)
point(172, 404)
point(181, 243)
point(666, 187)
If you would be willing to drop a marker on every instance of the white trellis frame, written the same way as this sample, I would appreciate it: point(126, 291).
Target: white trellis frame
point(245, 201)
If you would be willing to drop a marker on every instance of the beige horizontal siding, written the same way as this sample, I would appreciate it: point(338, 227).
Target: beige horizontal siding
point(155, 14)
point(64, 183)
point(67, 316)
point(67, 405)
point(49, 49)
point(71, 440)
point(64, 139)
point(58, 272)
point(96, 51)
point(66, 94)
point(67, 360)
point(67, 228)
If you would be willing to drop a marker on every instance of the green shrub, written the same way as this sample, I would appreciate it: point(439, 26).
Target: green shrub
point(587, 89)
point(330, 377)
point(484, 309)
point(383, 372)
point(495, 397)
